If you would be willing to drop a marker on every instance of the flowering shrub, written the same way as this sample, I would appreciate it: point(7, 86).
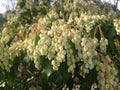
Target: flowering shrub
point(71, 47)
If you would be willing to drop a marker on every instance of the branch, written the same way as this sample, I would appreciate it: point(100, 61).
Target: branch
point(116, 4)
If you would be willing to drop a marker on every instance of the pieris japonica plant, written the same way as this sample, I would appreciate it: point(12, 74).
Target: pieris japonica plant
point(74, 46)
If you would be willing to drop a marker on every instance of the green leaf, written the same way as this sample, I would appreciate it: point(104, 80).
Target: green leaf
point(63, 69)
point(61, 76)
point(36, 40)
point(46, 66)
point(72, 46)
point(89, 79)
point(45, 85)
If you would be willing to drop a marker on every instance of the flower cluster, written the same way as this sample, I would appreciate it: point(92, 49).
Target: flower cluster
point(103, 44)
point(4, 58)
point(106, 74)
point(4, 55)
point(89, 52)
point(70, 41)
point(54, 42)
point(9, 50)
point(117, 26)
